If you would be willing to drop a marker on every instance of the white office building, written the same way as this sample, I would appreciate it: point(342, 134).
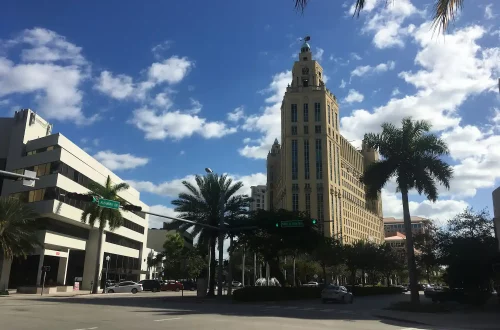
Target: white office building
point(69, 246)
point(259, 198)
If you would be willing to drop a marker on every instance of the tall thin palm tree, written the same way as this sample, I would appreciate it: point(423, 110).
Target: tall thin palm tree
point(106, 217)
point(444, 10)
point(201, 203)
point(412, 155)
point(17, 228)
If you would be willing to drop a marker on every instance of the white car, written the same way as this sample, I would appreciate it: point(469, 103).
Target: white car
point(125, 287)
point(311, 284)
point(336, 293)
point(236, 284)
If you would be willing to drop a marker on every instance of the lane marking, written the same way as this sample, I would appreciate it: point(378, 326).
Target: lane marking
point(309, 309)
point(92, 328)
point(170, 319)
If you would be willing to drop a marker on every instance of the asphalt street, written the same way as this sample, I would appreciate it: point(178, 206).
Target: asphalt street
point(147, 311)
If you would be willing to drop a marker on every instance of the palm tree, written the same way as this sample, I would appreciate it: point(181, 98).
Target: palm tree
point(17, 228)
point(444, 10)
point(412, 156)
point(202, 204)
point(106, 217)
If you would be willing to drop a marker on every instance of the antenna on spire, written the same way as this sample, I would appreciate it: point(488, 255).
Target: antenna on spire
point(307, 38)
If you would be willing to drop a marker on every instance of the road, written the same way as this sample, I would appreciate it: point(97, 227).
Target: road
point(147, 311)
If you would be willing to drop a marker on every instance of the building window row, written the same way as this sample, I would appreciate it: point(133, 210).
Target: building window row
point(294, 113)
point(295, 202)
point(122, 241)
point(317, 112)
point(59, 194)
point(306, 112)
point(67, 171)
point(308, 204)
point(306, 160)
point(295, 160)
point(40, 150)
point(329, 115)
point(319, 162)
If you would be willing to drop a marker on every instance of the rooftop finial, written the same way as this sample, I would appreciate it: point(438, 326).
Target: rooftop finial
point(305, 46)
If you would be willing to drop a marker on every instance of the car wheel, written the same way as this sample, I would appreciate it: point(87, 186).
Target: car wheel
point(111, 291)
point(154, 289)
point(352, 300)
point(343, 300)
point(134, 290)
point(177, 289)
point(192, 289)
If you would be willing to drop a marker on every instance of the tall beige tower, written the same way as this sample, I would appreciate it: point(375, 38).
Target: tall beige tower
point(315, 169)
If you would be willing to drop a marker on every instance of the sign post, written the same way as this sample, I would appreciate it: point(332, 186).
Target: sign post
point(109, 204)
point(45, 269)
point(292, 223)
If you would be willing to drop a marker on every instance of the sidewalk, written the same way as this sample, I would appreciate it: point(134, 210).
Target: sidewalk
point(460, 316)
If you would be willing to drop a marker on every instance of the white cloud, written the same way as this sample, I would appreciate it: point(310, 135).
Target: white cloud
point(368, 7)
point(172, 188)
point(52, 69)
point(354, 96)
point(172, 70)
point(236, 115)
point(158, 125)
point(116, 162)
point(361, 71)
point(386, 24)
point(395, 92)
point(268, 122)
point(118, 87)
point(342, 83)
point(440, 211)
point(318, 56)
point(488, 12)
point(157, 222)
point(443, 82)
point(160, 48)
point(356, 56)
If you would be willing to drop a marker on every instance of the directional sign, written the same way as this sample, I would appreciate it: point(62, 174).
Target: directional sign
point(108, 204)
point(292, 223)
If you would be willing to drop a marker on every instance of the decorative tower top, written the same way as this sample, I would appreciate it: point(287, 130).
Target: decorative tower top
point(305, 46)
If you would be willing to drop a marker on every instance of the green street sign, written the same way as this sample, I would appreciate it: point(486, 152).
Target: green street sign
point(108, 204)
point(292, 223)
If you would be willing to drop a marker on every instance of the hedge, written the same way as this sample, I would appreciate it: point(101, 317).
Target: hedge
point(272, 293)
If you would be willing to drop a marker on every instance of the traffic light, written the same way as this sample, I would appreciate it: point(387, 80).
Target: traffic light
point(81, 197)
point(314, 221)
point(132, 208)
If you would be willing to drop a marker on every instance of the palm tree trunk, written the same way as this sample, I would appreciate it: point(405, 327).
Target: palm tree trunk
point(410, 253)
point(211, 289)
point(325, 281)
point(294, 279)
point(98, 261)
point(243, 265)
point(230, 268)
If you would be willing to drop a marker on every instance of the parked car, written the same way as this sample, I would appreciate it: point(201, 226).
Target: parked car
point(236, 284)
point(125, 286)
point(336, 293)
point(150, 285)
point(172, 286)
point(189, 285)
point(311, 284)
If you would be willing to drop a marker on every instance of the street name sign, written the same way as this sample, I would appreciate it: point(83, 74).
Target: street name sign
point(292, 223)
point(109, 204)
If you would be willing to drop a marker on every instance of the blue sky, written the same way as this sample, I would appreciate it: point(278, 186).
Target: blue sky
point(160, 90)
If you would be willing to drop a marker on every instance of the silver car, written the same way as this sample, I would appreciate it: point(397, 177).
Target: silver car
point(126, 286)
point(336, 293)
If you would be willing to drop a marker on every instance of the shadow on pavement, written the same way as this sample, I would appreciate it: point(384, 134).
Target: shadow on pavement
point(313, 310)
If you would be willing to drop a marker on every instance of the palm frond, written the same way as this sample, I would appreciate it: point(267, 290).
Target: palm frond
point(444, 12)
point(376, 176)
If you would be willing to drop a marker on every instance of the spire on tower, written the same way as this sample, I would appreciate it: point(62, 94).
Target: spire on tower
point(305, 46)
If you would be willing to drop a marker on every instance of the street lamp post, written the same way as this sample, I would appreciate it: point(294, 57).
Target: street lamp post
point(221, 238)
point(107, 268)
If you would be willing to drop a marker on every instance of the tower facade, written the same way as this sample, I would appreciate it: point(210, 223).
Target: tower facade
point(315, 169)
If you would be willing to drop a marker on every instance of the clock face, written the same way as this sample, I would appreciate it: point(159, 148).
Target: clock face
point(305, 70)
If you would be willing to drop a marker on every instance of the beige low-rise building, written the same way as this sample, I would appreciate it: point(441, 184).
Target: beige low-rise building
point(315, 169)
point(393, 225)
point(69, 246)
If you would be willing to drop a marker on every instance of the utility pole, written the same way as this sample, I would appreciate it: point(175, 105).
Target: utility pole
point(254, 268)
